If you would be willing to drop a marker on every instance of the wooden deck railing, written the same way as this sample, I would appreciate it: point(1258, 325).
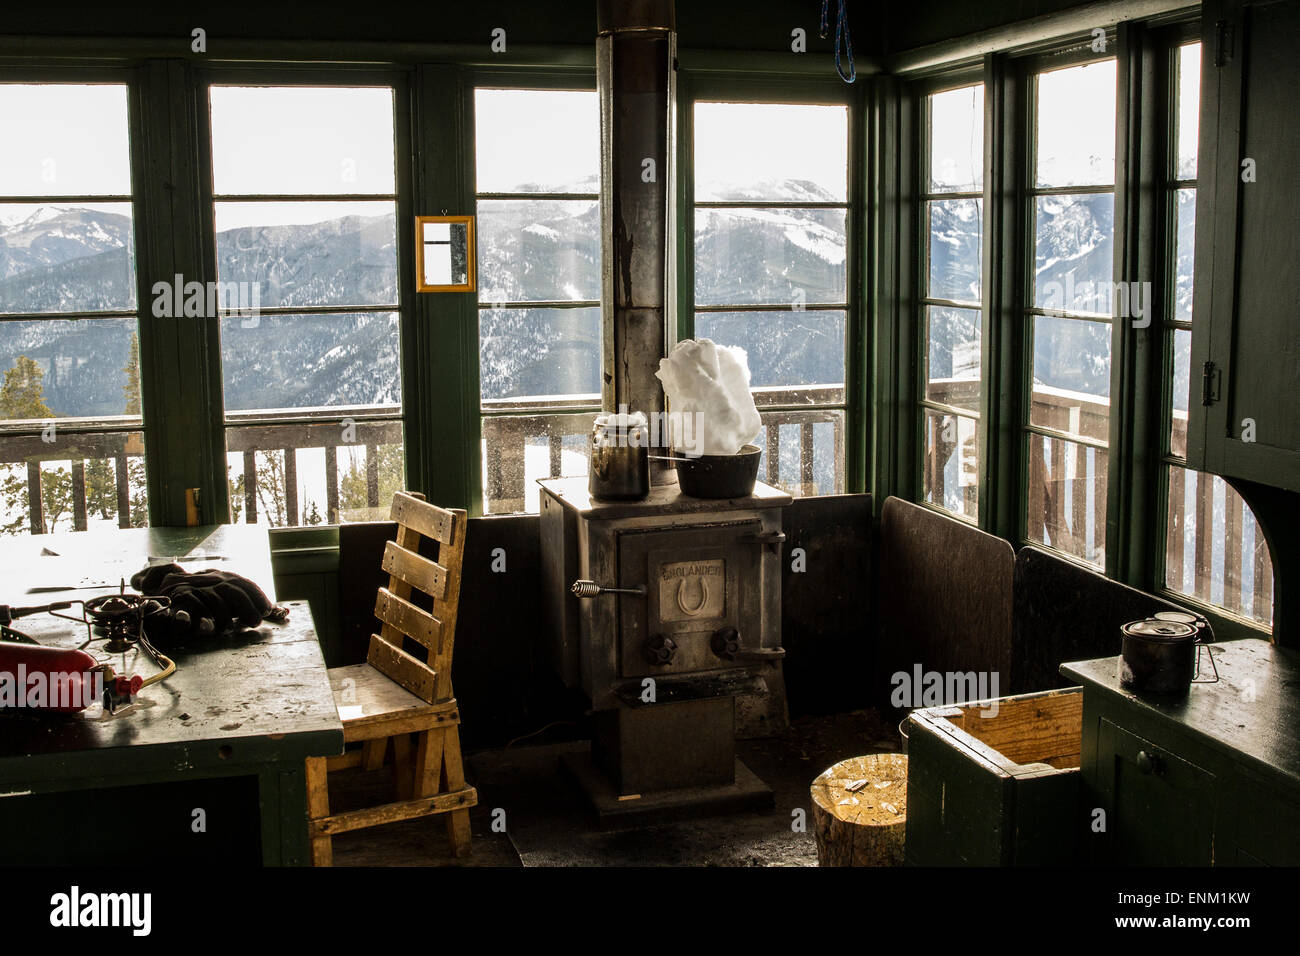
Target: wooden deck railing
point(1063, 514)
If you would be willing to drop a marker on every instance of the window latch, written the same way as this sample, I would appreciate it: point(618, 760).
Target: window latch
point(1211, 378)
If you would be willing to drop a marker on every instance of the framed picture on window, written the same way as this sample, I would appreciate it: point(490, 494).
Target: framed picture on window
point(444, 253)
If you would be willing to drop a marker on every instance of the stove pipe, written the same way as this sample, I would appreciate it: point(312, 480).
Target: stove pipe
point(636, 50)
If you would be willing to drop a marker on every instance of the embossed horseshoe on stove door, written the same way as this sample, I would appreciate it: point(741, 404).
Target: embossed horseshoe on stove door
point(704, 596)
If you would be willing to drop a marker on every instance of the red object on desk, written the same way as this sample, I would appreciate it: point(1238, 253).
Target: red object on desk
point(36, 677)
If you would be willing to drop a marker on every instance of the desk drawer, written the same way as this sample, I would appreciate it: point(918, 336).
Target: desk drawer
point(1159, 806)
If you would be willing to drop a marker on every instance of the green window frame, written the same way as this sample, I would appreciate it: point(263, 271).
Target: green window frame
point(844, 412)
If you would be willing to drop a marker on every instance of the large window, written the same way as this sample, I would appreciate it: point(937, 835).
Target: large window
point(538, 181)
point(771, 253)
point(952, 217)
point(1072, 209)
point(304, 210)
point(71, 441)
point(1215, 551)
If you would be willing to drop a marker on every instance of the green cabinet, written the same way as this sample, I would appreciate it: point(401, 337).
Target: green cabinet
point(1211, 780)
point(1245, 371)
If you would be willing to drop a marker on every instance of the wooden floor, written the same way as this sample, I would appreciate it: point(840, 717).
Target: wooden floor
point(546, 822)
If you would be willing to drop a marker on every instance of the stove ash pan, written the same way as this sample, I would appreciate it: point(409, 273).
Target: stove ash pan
point(691, 597)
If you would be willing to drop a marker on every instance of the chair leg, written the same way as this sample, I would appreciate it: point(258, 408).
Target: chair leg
point(372, 753)
point(402, 780)
point(428, 763)
point(453, 778)
point(318, 807)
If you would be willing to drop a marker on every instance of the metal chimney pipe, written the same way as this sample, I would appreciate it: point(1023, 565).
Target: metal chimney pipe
point(636, 49)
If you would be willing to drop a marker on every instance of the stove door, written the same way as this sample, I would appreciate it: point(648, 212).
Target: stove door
point(698, 581)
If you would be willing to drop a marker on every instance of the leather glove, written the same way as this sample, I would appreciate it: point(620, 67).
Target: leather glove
point(205, 602)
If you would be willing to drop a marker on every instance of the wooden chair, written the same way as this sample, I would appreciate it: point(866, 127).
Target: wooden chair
point(396, 695)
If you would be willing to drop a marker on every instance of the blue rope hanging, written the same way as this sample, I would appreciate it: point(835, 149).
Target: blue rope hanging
point(841, 30)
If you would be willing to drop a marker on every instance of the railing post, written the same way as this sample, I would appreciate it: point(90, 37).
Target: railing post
point(291, 486)
point(773, 437)
point(35, 507)
point(372, 475)
point(250, 487)
point(1232, 508)
point(79, 495)
point(1175, 532)
point(332, 484)
point(806, 458)
point(122, 485)
point(1203, 563)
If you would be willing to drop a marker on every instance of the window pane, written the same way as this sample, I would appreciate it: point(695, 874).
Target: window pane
point(1067, 497)
point(538, 250)
point(771, 152)
point(279, 362)
point(1071, 376)
point(60, 368)
point(1076, 126)
point(56, 258)
point(301, 140)
point(803, 452)
point(64, 140)
point(953, 357)
point(539, 353)
point(519, 449)
point(1181, 392)
point(1189, 109)
point(950, 472)
point(769, 256)
point(315, 474)
point(957, 140)
point(301, 254)
point(785, 349)
point(1184, 254)
point(86, 481)
point(956, 231)
point(530, 141)
point(1216, 552)
point(1074, 253)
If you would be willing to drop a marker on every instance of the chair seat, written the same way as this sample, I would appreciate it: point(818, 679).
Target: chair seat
point(370, 704)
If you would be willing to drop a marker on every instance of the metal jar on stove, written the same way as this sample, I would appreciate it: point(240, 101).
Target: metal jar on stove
point(620, 464)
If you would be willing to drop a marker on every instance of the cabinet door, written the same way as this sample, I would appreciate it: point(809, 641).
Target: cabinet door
point(1159, 807)
point(1246, 332)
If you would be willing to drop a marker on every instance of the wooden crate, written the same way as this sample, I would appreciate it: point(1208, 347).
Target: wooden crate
point(1000, 790)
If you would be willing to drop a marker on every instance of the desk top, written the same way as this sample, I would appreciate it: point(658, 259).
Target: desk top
point(1253, 710)
point(255, 696)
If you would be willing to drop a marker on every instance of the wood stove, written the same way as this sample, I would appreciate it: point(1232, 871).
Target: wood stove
point(676, 638)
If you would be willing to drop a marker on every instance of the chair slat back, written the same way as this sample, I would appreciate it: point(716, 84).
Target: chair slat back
point(409, 571)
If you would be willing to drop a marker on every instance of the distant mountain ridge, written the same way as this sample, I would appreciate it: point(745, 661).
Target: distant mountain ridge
point(57, 258)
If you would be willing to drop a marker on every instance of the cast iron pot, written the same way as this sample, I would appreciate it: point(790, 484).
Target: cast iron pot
point(719, 476)
point(1158, 657)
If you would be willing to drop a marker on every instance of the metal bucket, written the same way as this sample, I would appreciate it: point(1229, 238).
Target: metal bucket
point(719, 476)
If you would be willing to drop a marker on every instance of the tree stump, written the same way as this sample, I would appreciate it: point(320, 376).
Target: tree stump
point(860, 811)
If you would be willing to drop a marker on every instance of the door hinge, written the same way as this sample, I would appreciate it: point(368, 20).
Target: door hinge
point(1222, 42)
point(1211, 377)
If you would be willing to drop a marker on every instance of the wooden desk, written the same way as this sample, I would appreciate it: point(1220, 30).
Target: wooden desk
point(1211, 779)
point(252, 704)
